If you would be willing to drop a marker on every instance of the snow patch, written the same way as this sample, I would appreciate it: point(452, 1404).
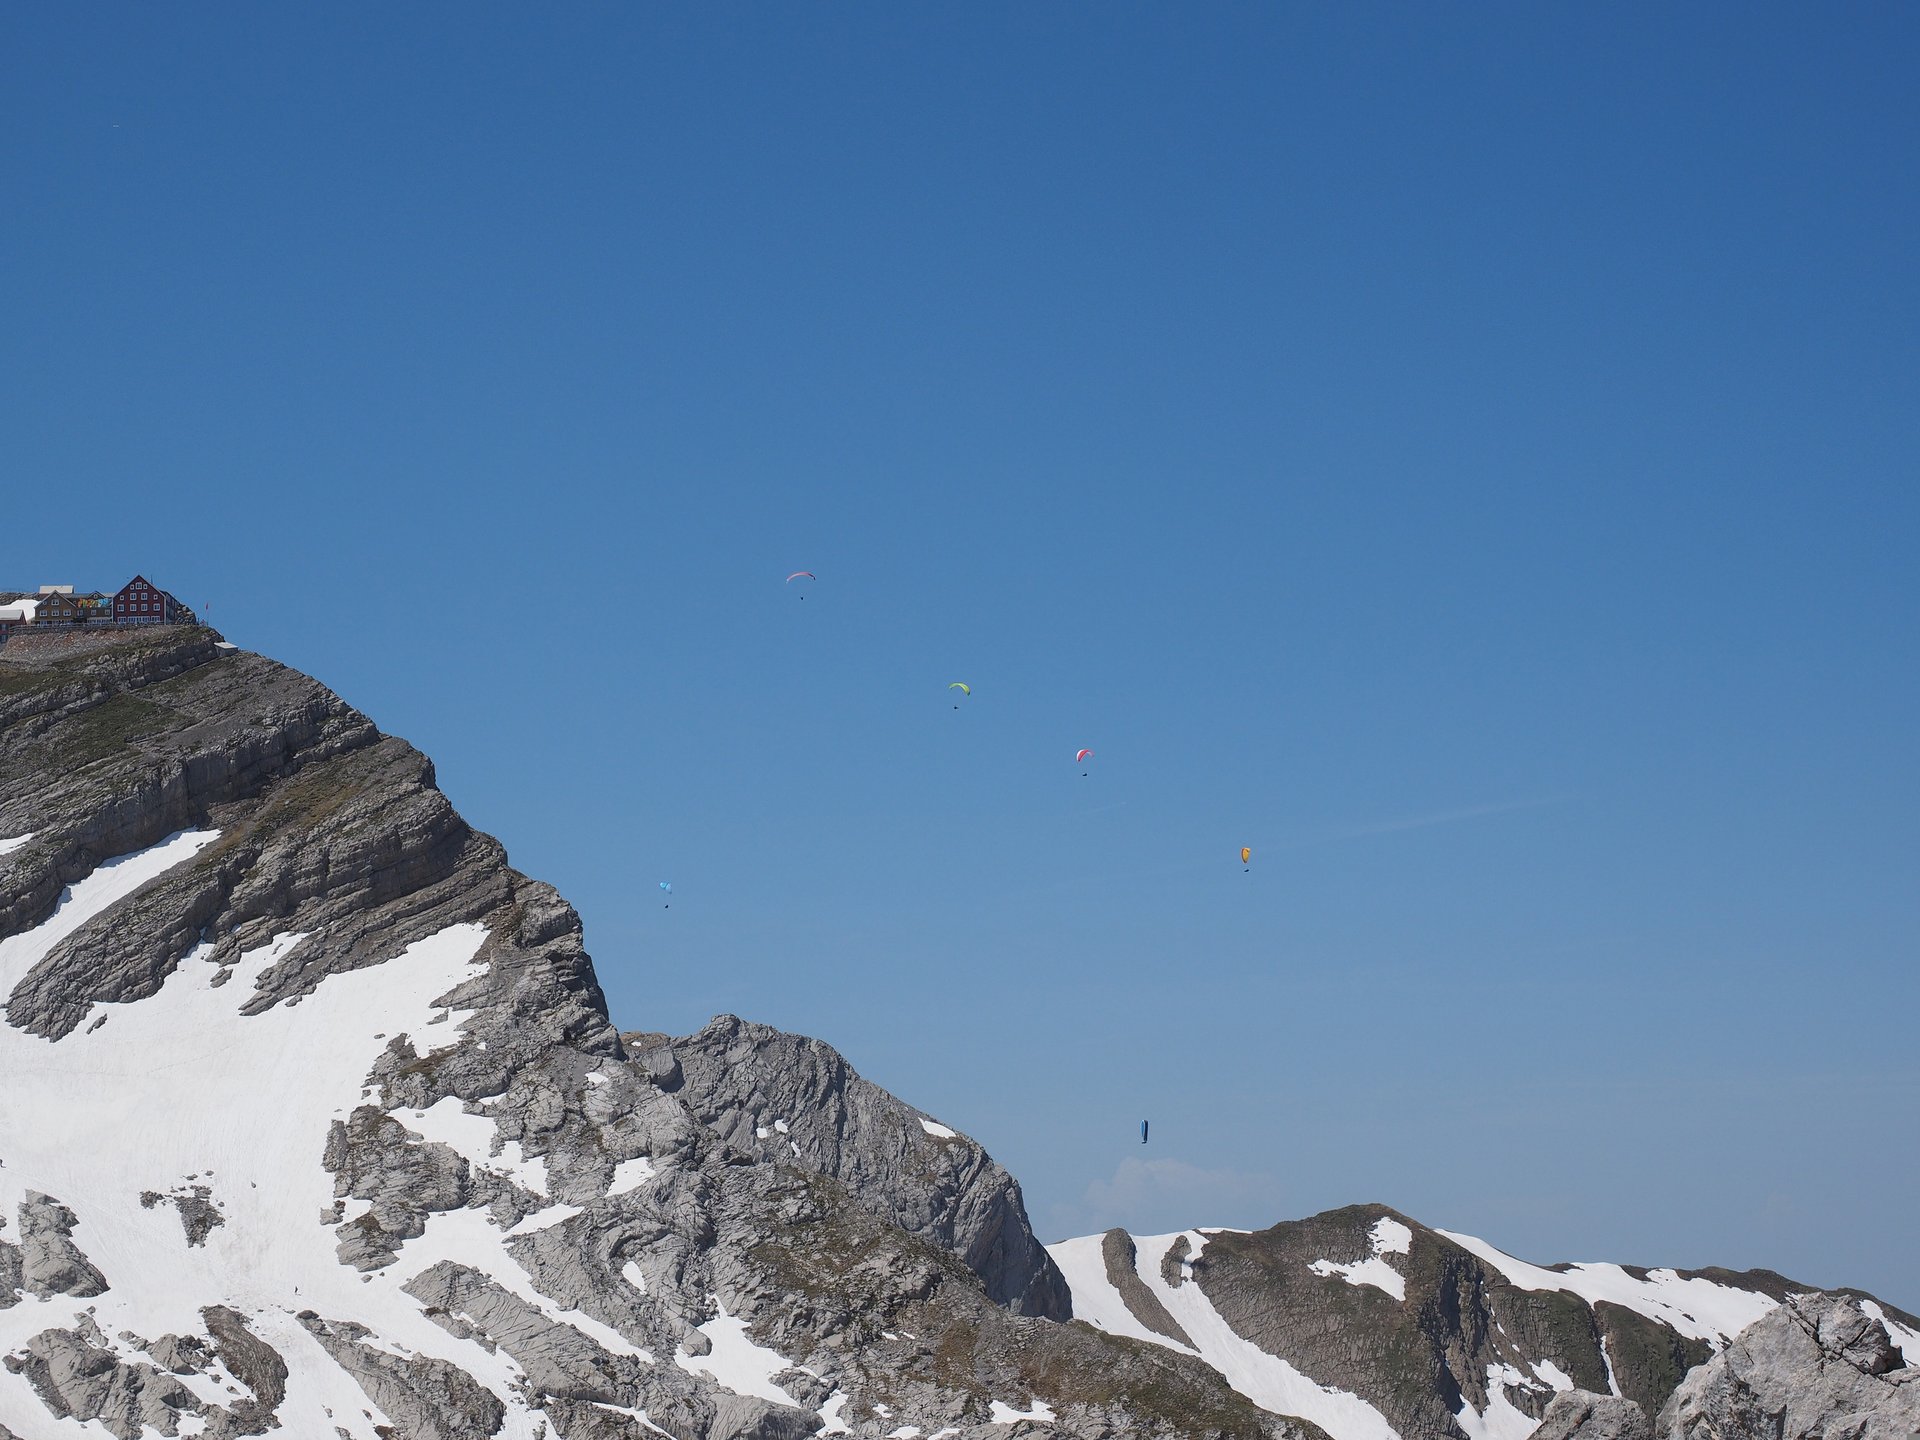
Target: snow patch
point(1554, 1375)
point(1388, 1237)
point(631, 1273)
point(736, 1361)
point(1000, 1413)
point(937, 1130)
point(546, 1219)
point(833, 1422)
point(632, 1414)
point(1502, 1419)
point(7, 846)
point(630, 1175)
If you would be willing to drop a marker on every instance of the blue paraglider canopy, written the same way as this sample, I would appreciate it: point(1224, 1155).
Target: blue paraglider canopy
point(1143, 1132)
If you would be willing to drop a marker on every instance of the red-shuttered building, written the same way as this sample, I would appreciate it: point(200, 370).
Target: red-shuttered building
point(140, 602)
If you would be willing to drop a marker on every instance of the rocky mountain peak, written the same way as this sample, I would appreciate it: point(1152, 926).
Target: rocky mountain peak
point(316, 1121)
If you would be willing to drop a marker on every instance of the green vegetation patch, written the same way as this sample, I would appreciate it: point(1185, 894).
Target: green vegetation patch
point(109, 728)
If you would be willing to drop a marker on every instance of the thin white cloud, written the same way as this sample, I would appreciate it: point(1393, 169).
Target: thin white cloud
point(1447, 817)
point(1154, 1196)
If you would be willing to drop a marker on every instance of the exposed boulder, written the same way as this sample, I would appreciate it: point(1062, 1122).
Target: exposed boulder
point(51, 1264)
point(1583, 1415)
point(1818, 1368)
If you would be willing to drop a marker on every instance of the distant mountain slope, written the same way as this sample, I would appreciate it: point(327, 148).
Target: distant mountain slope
point(1374, 1326)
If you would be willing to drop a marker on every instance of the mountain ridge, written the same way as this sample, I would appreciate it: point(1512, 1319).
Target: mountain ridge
point(1419, 1331)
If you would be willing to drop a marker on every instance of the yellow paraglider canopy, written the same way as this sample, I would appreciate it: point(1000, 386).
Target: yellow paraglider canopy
point(962, 687)
point(1246, 854)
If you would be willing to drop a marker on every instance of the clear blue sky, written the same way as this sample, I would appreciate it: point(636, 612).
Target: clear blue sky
point(1465, 454)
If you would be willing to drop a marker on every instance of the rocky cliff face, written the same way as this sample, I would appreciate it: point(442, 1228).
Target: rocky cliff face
point(1374, 1326)
point(314, 1121)
point(790, 1099)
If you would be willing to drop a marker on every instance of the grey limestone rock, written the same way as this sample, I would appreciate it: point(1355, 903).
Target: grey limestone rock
point(78, 1376)
point(199, 1212)
point(1817, 1368)
point(1583, 1415)
point(426, 1397)
point(794, 1100)
point(11, 1276)
point(251, 1361)
point(50, 1263)
point(558, 1359)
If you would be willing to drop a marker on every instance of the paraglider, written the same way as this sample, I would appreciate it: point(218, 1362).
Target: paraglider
point(1081, 758)
point(1143, 1132)
point(667, 885)
point(963, 688)
point(801, 575)
point(1246, 854)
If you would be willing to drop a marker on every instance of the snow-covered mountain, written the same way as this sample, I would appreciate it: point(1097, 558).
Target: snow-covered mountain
point(313, 1122)
point(1375, 1327)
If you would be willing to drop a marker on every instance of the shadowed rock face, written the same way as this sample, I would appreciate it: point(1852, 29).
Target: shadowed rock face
point(467, 1211)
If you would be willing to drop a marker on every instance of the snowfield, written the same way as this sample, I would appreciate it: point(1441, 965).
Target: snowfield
point(181, 1090)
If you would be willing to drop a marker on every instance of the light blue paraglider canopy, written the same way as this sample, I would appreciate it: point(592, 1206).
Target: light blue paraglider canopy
point(1143, 1132)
